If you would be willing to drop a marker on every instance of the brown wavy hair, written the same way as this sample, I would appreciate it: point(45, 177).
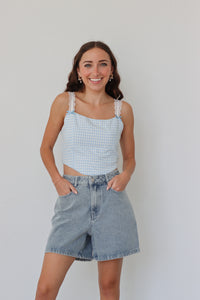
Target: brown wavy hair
point(112, 87)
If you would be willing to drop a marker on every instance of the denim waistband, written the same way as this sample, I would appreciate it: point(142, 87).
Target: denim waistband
point(93, 179)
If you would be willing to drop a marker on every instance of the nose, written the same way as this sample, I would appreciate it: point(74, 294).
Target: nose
point(96, 70)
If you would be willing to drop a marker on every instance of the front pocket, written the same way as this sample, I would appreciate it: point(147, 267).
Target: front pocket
point(115, 191)
point(66, 195)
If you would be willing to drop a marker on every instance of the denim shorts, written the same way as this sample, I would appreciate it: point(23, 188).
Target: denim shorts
point(95, 223)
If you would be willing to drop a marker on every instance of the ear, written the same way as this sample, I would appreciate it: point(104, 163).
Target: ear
point(78, 72)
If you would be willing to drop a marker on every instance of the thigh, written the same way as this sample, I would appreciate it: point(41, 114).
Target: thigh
point(109, 271)
point(115, 229)
point(54, 269)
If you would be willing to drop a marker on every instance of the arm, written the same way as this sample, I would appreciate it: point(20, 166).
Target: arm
point(127, 141)
point(53, 128)
point(127, 144)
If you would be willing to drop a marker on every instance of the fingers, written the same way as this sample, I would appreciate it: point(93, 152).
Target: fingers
point(109, 185)
point(63, 186)
point(114, 181)
point(73, 189)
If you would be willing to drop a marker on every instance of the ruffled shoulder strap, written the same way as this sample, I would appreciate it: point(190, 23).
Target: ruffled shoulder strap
point(118, 107)
point(71, 101)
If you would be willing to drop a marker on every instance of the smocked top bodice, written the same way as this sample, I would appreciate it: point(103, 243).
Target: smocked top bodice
point(91, 146)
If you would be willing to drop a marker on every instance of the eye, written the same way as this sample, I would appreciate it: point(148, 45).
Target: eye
point(87, 65)
point(104, 64)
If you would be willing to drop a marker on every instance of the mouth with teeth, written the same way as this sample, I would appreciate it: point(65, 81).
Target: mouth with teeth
point(95, 80)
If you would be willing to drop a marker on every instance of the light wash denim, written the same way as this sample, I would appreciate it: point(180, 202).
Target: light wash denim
point(95, 223)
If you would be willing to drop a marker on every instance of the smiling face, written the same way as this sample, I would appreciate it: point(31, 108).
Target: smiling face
point(95, 69)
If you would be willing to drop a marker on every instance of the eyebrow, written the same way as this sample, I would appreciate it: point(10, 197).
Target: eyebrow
point(90, 61)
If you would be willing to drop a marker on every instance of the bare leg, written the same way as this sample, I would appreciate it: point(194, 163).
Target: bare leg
point(109, 278)
point(54, 269)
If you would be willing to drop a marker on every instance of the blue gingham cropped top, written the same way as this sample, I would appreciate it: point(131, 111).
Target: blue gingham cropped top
point(91, 146)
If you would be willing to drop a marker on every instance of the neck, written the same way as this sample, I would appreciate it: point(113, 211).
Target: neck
point(93, 97)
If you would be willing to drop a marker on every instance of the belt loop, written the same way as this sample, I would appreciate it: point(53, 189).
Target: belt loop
point(75, 181)
point(107, 178)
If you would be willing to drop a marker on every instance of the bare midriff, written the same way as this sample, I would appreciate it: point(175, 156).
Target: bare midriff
point(70, 171)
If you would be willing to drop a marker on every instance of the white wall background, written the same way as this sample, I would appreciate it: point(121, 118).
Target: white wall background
point(157, 46)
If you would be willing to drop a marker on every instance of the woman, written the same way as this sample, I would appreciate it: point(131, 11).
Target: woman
point(93, 217)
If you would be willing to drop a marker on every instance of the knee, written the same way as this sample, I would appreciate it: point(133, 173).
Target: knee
point(109, 287)
point(44, 291)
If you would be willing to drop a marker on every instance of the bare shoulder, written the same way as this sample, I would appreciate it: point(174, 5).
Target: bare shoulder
point(61, 99)
point(60, 103)
point(127, 113)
